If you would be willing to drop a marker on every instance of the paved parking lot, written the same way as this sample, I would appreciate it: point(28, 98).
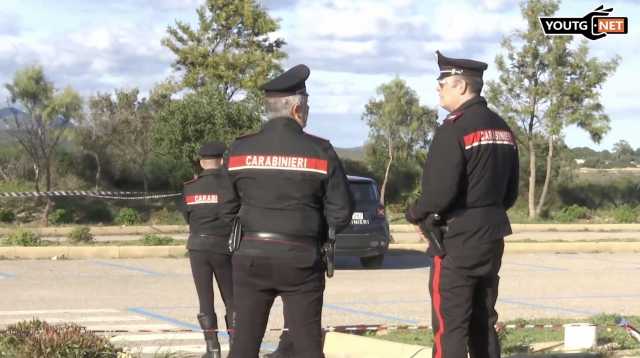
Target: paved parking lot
point(151, 303)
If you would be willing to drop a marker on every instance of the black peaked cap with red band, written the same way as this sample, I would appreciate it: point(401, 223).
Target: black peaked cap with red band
point(459, 66)
point(212, 150)
point(290, 83)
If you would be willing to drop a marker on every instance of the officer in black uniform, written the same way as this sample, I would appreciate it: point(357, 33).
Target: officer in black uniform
point(470, 179)
point(209, 202)
point(292, 187)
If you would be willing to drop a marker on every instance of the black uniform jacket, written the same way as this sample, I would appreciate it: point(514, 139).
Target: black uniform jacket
point(208, 205)
point(289, 183)
point(471, 173)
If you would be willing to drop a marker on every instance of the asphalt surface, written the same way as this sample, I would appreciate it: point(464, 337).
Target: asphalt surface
point(152, 302)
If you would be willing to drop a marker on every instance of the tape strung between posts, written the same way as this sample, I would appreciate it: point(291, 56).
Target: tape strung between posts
point(117, 195)
point(382, 327)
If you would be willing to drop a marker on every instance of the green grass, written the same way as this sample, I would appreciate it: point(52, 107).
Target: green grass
point(518, 340)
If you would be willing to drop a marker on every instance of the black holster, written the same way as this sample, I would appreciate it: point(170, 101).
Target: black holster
point(328, 252)
point(433, 228)
point(236, 235)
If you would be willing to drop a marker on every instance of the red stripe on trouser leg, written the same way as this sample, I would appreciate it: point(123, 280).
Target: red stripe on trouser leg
point(437, 303)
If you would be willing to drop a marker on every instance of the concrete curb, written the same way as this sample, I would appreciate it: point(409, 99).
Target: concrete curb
point(342, 345)
point(61, 231)
point(518, 228)
point(549, 247)
point(93, 252)
point(129, 252)
point(103, 230)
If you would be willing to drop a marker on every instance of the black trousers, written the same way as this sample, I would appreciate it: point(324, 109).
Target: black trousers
point(464, 288)
point(204, 266)
point(257, 282)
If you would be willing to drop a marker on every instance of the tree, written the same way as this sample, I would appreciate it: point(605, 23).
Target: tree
point(398, 124)
point(98, 134)
point(232, 46)
point(623, 151)
point(49, 113)
point(546, 85)
point(183, 125)
point(135, 122)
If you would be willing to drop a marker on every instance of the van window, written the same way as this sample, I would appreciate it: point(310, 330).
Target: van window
point(363, 192)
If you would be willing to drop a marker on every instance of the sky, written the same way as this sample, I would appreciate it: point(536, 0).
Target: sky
point(351, 46)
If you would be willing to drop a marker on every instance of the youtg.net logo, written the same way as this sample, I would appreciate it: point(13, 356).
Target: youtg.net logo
point(594, 25)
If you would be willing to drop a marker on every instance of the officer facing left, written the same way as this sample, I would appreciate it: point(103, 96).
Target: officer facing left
point(206, 200)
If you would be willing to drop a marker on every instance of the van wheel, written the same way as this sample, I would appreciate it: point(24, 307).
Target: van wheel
point(372, 262)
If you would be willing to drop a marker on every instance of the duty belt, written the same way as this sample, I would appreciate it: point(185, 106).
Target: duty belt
point(307, 240)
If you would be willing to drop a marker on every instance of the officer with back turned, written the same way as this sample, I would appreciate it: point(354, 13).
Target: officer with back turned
point(292, 188)
point(208, 201)
point(470, 179)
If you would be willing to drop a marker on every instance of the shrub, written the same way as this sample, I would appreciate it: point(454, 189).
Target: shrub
point(24, 238)
point(625, 214)
point(155, 240)
point(128, 216)
point(81, 234)
point(60, 216)
point(166, 217)
point(7, 216)
point(99, 214)
point(572, 213)
point(40, 339)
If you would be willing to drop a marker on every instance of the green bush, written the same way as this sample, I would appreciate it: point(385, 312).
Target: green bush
point(24, 238)
point(128, 216)
point(166, 217)
point(60, 216)
point(99, 214)
point(40, 339)
point(81, 234)
point(7, 216)
point(155, 240)
point(572, 213)
point(625, 214)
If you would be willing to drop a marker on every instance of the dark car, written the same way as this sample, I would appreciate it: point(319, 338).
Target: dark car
point(367, 237)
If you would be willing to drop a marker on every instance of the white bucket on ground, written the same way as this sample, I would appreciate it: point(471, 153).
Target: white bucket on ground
point(579, 336)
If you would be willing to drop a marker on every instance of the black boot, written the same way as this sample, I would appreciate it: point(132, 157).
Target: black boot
point(209, 325)
point(230, 325)
point(285, 348)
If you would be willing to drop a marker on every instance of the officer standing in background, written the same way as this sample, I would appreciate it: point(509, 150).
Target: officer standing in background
point(209, 202)
point(470, 179)
point(292, 188)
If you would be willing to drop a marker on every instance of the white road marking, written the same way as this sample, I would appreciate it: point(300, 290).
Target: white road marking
point(82, 319)
point(200, 348)
point(156, 336)
point(35, 312)
point(130, 327)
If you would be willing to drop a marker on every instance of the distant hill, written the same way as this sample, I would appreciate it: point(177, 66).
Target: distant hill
point(7, 120)
point(355, 153)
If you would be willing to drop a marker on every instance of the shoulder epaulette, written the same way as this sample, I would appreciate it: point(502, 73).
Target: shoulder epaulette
point(453, 116)
point(191, 181)
point(247, 135)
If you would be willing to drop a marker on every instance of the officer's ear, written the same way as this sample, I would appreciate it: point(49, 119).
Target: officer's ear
point(297, 113)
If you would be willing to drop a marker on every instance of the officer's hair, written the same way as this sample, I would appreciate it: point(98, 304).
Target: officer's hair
point(276, 107)
point(475, 84)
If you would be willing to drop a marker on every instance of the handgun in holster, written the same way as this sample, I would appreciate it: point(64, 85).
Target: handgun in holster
point(236, 235)
point(433, 228)
point(329, 252)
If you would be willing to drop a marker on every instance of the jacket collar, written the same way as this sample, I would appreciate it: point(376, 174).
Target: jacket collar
point(471, 102)
point(280, 123)
point(209, 172)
